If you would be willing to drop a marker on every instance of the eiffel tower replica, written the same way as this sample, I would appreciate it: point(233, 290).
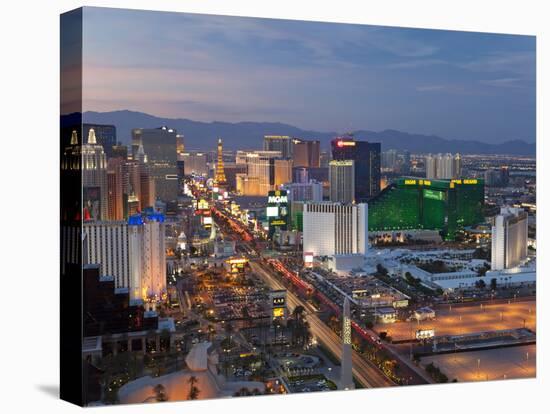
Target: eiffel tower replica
point(219, 179)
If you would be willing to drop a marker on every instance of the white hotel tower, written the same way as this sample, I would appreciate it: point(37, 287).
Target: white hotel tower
point(335, 228)
point(509, 238)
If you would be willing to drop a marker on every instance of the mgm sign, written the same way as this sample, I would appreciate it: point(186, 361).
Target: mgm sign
point(277, 211)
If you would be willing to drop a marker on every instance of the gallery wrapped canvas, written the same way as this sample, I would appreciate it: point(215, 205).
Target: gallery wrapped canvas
point(259, 206)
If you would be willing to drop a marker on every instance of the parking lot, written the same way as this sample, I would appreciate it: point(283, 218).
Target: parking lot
point(494, 364)
point(310, 384)
point(458, 320)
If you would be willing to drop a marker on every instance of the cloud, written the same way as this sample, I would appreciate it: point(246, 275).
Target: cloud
point(504, 82)
point(507, 62)
point(418, 63)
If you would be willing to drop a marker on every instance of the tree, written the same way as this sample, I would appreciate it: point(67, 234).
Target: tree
point(229, 331)
point(193, 390)
point(493, 284)
point(160, 393)
point(480, 284)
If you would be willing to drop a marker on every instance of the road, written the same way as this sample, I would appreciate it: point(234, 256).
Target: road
point(365, 372)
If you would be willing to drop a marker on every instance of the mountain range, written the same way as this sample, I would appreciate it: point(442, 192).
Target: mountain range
point(249, 135)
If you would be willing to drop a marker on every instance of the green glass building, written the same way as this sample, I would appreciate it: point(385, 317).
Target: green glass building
point(411, 203)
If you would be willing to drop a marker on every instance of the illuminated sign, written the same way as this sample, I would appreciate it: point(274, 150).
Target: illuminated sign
point(433, 195)
point(202, 204)
point(470, 181)
point(278, 312)
point(277, 199)
point(425, 333)
point(272, 211)
point(207, 220)
point(278, 301)
point(361, 293)
point(237, 261)
point(345, 143)
point(277, 222)
point(410, 182)
point(401, 303)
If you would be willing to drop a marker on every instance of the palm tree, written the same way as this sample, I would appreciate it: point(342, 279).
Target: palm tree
point(193, 390)
point(160, 393)
point(229, 331)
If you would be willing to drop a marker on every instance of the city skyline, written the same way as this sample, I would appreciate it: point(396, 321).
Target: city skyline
point(458, 85)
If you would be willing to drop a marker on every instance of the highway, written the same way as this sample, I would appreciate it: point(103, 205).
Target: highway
point(368, 375)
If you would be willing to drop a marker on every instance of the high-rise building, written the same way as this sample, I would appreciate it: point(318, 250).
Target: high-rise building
point(492, 178)
point(180, 144)
point(367, 164)
point(334, 228)
point(312, 191)
point(94, 179)
point(342, 181)
point(504, 176)
point(147, 187)
point(231, 170)
point(260, 164)
point(148, 256)
point(107, 246)
point(411, 203)
point(281, 143)
point(132, 252)
point(159, 145)
point(389, 159)
point(283, 172)
point(509, 238)
point(443, 166)
point(306, 153)
point(406, 166)
point(105, 136)
point(219, 178)
point(249, 186)
point(115, 189)
point(346, 376)
point(195, 163)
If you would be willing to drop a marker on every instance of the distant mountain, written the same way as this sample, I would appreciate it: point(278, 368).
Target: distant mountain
point(247, 135)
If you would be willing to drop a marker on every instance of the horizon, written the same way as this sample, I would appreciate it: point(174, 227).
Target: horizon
point(336, 133)
point(312, 75)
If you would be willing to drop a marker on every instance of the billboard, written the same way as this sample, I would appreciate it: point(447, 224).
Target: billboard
point(277, 211)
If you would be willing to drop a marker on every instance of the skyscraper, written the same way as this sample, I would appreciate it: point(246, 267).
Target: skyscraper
point(107, 243)
point(281, 143)
point(105, 136)
point(367, 164)
point(335, 228)
point(94, 179)
point(342, 181)
point(306, 153)
point(443, 166)
point(159, 145)
point(115, 189)
point(509, 238)
point(346, 376)
point(148, 256)
point(260, 166)
point(283, 172)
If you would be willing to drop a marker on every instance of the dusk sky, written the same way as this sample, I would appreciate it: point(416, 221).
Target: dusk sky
point(319, 76)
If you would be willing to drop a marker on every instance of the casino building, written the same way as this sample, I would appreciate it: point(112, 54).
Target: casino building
point(419, 204)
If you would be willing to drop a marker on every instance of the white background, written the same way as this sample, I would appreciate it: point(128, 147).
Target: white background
point(29, 101)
